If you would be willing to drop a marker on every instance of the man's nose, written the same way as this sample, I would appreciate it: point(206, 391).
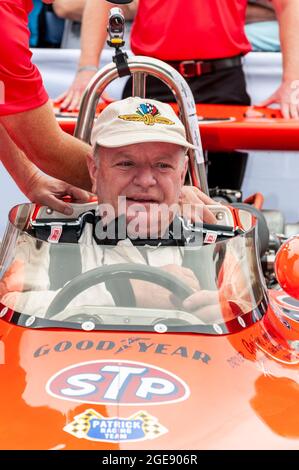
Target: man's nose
point(144, 177)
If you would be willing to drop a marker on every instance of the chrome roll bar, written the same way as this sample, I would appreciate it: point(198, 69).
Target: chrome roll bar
point(140, 67)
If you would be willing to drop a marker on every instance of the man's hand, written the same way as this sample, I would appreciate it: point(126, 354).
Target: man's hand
point(13, 279)
point(287, 12)
point(205, 305)
point(151, 295)
point(232, 295)
point(70, 99)
point(49, 192)
point(287, 96)
point(193, 205)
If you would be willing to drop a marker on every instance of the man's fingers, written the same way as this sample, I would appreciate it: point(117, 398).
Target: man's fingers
point(193, 212)
point(13, 279)
point(79, 195)
point(68, 99)
point(203, 197)
point(285, 109)
point(60, 98)
point(191, 282)
point(285, 97)
point(209, 314)
point(198, 213)
point(208, 216)
point(185, 274)
point(272, 99)
point(200, 299)
point(75, 103)
point(193, 205)
point(294, 111)
point(191, 194)
point(58, 205)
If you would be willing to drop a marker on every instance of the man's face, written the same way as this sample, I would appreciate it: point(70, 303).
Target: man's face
point(146, 174)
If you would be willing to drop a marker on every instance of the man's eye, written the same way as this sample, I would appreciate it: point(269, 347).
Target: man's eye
point(125, 163)
point(163, 165)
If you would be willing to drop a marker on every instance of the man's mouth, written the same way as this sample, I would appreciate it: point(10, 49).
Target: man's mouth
point(142, 200)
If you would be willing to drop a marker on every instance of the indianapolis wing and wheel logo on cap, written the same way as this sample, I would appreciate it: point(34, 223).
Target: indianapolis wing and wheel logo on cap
point(147, 113)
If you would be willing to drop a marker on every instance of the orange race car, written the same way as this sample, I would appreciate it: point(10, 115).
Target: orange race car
point(83, 367)
point(86, 365)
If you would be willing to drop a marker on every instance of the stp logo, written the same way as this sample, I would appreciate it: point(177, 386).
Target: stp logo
point(115, 382)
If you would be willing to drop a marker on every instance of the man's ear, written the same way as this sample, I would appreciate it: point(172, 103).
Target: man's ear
point(92, 168)
point(184, 169)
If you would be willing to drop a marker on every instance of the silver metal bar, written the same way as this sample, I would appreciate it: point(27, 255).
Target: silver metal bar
point(138, 86)
point(179, 87)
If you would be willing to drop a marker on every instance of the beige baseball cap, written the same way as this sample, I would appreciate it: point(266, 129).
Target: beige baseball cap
point(136, 120)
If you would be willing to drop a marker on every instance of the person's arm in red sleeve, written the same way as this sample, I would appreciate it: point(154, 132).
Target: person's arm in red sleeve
point(25, 110)
point(58, 154)
point(37, 187)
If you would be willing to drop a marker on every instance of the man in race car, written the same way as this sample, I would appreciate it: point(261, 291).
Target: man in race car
point(31, 139)
point(137, 168)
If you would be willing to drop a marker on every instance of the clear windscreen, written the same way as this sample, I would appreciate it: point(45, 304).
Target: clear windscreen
point(125, 286)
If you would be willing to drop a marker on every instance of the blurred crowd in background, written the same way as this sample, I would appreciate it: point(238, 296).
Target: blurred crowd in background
point(58, 25)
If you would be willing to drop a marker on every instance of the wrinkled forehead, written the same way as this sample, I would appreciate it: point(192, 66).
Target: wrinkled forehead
point(141, 151)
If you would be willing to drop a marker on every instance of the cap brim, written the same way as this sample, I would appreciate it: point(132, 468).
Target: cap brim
point(120, 140)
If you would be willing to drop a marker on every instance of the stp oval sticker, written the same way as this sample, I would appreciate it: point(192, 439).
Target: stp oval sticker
point(117, 382)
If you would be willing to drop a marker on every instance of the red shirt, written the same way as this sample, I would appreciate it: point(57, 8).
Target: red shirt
point(190, 29)
point(21, 86)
